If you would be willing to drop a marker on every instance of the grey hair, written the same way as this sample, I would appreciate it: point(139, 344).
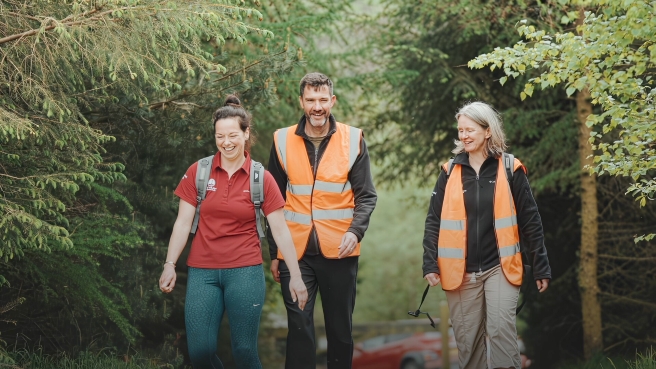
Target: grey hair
point(485, 116)
point(316, 80)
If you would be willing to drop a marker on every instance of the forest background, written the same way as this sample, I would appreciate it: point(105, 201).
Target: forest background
point(104, 104)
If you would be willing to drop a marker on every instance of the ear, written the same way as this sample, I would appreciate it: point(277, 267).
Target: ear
point(333, 100)
point(300, 101)
point(488, 133)
point(247, 133)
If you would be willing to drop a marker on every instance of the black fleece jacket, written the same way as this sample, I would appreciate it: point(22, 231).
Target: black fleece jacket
point(478, 190)
point(359, 176)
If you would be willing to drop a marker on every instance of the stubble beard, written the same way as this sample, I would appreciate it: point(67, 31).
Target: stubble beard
point(314, 123)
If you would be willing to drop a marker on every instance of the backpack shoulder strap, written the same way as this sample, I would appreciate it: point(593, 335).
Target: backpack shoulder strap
point(202, 176)
point(257, 193)
point(509, 163)
point(450, 166)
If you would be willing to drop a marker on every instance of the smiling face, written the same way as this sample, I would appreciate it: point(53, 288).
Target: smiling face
point(316, 103)
point(230, 139)
point(472, 135)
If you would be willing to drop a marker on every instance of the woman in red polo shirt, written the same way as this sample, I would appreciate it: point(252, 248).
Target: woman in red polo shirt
point(225, 262)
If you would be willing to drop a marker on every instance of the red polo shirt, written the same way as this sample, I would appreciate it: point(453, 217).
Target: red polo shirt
point(227, 234)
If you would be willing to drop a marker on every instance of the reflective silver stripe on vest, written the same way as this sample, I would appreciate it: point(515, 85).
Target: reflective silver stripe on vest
point(332, 214)
point(509, 250)
point(450, 253)
point(354, 145)
point(299, 189)
point(332, 186)
point(452, 225)
point(297, 217)
point(282, 146)
point(505, 222)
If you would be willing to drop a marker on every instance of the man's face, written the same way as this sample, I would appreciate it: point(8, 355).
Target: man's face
point(316, 103)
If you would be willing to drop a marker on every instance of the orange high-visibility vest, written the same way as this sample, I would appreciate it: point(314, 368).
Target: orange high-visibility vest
point(324, 201)
point(452, 242)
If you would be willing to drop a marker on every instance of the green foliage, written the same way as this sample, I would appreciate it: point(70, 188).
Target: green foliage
point(639, 361)
point(412, 80)
point(60, 61)
point(612, 55)
point(104, 106)
point(76, 282)
point(645, 361)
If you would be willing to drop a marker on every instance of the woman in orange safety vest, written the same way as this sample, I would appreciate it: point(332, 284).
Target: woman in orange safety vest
point(481, 204)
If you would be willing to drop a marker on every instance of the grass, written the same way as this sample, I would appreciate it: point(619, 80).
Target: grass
point(85, 360)
point(641, 361)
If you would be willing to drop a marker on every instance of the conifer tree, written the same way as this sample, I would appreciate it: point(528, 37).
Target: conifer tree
point(144, 77)
point(61, 60)
point(75, 77)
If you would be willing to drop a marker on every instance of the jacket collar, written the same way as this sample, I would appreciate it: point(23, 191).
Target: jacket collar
point(463, 159)
point(300, 129)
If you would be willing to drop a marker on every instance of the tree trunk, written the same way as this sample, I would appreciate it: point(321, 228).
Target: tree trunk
point(588, 286)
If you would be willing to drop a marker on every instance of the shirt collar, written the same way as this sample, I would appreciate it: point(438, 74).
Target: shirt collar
point(246, 167)
point(300, 129)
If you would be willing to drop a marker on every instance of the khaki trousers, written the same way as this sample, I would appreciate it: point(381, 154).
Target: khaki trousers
point(483, 317)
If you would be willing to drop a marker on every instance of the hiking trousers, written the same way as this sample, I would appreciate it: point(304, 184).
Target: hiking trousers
point(210, 292)
point(482, 313)
point(335, 280)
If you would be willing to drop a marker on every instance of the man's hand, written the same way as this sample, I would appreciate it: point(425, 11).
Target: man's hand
point(275, 273)
point(542, 284)
point(433, 279)
point(349, 242)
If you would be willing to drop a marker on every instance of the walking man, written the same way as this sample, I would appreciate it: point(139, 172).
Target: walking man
point(322, 168)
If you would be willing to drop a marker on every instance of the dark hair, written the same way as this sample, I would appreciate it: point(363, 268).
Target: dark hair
point(316, 80)
point(232, 109)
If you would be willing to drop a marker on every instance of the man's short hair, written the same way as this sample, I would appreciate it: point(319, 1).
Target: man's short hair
point(316, 80)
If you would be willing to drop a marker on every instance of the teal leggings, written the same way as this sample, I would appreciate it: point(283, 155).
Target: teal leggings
point(210, 292)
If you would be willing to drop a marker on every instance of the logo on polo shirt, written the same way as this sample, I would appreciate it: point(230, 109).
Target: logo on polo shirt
point(211, 185)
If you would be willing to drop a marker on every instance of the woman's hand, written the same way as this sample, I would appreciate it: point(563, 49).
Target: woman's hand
point(542, 284)
point(433, 279)
point(283, 239)
point(275, 273)
point(179, 236)
point(167, 280)
point(298, 290)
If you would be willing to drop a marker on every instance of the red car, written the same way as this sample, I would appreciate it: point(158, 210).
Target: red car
point(403, 351)
point(410, 351)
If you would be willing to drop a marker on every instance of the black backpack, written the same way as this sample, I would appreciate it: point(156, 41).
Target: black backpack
point(257, 190)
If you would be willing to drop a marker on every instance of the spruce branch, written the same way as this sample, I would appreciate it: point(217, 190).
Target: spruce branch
point(33, 32)
point(162, 104)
